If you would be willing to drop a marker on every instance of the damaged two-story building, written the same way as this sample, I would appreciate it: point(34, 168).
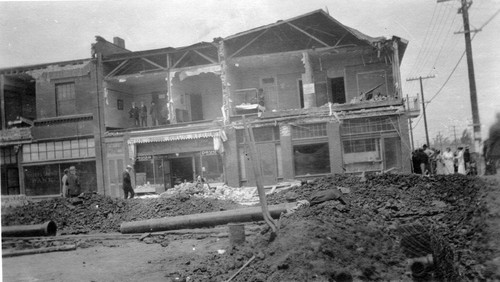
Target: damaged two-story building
point(320, 97)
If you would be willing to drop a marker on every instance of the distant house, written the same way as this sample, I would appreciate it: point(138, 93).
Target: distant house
point(321, 98)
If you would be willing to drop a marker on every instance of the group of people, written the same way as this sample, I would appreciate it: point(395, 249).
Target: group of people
point(158, 114)
point(71, 186)
point(428, 161)
point(70, 183)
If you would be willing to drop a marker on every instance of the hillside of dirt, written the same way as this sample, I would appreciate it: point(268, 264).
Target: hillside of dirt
point(380, 222)
point(93, 213)
point(361, 240)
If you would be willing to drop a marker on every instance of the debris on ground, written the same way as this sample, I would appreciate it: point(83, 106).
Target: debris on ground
point(361, 239)
point(344, 228)
point(93, 213)
point(242, 195)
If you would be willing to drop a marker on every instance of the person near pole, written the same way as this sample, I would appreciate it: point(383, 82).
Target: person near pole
point(134, 114)
point(153, 111)
point(144, 115)
point(127, 183)
point(64, 182)
point(74, 187)
point(460, 161)
point(430, 153)
point(467, 159)
point(448, 162)
point(423, 161)
point(493, 147)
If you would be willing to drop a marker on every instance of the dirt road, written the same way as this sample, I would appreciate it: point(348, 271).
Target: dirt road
point(321, 242)
point(113, 260)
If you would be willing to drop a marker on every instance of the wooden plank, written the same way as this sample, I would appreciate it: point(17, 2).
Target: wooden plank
point(6, 254)
point(180, 59)
point(248, 44)
point(115, 70)
point(154, 64)
point(212, 60)
point(308, 34)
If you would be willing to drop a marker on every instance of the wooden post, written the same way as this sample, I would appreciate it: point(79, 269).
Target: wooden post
point(257, 169)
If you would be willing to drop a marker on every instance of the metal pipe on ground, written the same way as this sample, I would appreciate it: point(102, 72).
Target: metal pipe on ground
point(48, 228)
point(203, 219)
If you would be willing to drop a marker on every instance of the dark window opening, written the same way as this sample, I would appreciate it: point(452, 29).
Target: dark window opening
point(301, 94)
point(338, 90)
point(311, 159)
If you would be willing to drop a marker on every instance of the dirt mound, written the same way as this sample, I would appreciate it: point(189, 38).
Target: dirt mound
point(97, 213)
point(362, 240)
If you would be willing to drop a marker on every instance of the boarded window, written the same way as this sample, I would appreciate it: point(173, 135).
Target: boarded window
point(65, 97)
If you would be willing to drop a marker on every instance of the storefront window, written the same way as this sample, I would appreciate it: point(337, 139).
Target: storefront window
point(46, 179)
point(212, 168)
point(362, 155)
point(149, 173)
point(311, 159)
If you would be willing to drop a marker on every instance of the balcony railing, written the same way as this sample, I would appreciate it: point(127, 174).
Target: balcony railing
point(412, 106)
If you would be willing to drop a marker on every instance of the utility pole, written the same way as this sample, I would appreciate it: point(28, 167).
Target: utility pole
point(411, 125)
point(423, 103)
point(455, 134)
point(476, 123)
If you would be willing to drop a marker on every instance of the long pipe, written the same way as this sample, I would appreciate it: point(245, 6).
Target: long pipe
point(202, 219)
point(48, 228)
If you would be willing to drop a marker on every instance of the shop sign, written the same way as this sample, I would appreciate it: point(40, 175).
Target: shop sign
point(144, 158)
point(208, 153)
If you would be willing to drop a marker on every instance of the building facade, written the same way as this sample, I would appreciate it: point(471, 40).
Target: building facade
point(320, 98)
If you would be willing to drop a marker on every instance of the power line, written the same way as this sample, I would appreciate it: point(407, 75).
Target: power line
point(425, 37)
point(432, 42)
point(461, 57)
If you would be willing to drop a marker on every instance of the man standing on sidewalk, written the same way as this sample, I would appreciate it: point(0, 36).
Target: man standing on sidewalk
point(127, 183)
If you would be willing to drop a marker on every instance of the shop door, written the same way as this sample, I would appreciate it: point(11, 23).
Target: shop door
point(167, 174)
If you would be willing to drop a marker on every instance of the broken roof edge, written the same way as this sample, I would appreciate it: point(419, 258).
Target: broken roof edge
point(99, 38)
point(356, 33)
point(21, 69)
point(169, 50)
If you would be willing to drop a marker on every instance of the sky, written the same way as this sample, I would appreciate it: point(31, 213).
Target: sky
point(42, 32)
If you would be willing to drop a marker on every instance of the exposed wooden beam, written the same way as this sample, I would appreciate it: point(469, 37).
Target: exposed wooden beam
point(248, 44)
point(115, 70)
point(154, 64)
point(338, 42)
point(180, 59)
point(307, 33)
point(206, 57)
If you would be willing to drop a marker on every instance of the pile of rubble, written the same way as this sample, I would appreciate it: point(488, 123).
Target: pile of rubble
point(93, 213)
point(243, 195)
point(361, 239)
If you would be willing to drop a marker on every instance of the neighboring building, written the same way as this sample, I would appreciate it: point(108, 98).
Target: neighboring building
point(321, 98)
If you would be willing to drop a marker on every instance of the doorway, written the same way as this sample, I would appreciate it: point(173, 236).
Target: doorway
point(196, 107)
point(182, 169)
point(338, 90)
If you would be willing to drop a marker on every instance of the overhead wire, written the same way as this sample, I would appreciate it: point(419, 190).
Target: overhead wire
point(423, 51)
point(462, 56)
point(425, 37)
point(428, 48)
point(449, 35)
